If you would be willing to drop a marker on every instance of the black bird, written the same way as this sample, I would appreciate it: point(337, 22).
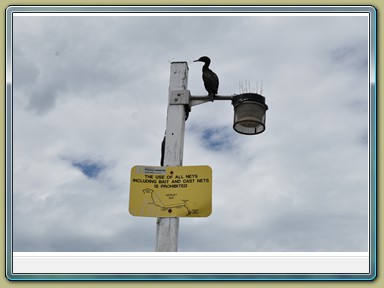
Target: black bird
point(210, 79)
point(162, 152)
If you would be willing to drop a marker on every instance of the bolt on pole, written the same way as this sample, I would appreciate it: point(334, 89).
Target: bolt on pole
point(167, 229)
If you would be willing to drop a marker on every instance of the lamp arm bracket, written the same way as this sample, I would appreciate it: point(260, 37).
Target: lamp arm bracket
point(179, 97)
point(196, 100)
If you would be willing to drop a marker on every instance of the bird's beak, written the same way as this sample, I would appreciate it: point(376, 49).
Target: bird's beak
point(196, 60)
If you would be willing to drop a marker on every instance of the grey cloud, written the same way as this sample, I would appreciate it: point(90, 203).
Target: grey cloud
point(98, 91)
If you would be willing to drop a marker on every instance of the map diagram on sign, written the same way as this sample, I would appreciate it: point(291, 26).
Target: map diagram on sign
point(167, 207)
point(172, 191)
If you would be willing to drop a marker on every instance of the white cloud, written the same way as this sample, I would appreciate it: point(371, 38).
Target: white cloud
point(97, 91)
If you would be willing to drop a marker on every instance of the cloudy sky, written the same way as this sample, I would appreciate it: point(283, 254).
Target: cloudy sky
point(89, 103)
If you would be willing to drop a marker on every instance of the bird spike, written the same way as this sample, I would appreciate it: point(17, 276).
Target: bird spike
point(246, 87)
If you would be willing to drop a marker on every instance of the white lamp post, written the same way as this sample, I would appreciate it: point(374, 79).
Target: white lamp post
point(249, 119)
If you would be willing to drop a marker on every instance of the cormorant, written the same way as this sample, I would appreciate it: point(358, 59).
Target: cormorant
point(162, 152)
point(211, 81)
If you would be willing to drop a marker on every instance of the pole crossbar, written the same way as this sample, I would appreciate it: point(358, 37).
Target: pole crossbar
point(217, 97)
point(196, 100)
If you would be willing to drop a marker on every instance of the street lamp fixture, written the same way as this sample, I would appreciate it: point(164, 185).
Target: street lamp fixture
point(249, 113)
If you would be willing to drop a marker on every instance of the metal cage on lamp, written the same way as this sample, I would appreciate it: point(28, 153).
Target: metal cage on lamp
point(249, 113)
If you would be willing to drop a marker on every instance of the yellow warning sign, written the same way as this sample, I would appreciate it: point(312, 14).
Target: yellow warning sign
point(172, 191)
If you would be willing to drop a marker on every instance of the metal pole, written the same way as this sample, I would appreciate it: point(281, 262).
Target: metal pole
point(167, 229)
